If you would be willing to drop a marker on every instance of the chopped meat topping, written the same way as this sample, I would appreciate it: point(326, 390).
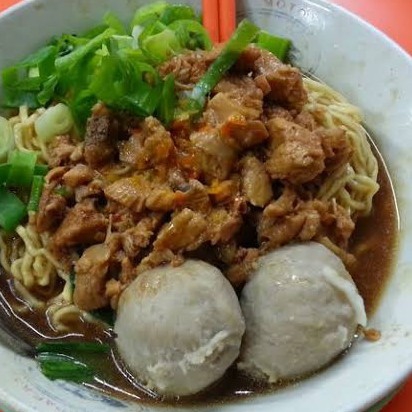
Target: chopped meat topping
point(148, 146)
point(186, 231)
point(130, 192)
point(236, 96)
point(242, 265)
point(52, 209)
point(296, 154)
point(242, 134)
point(138, 237)
point(217, 158)
point(285, 81)
point(78, 175)
point(337, 147)
point(222, 225)
point(290, 218)
point(62, 150)
point(231, 185)
point(256, 185)
point(91, 271)
point(100, 140)
point(82, 225)
point(188, 68)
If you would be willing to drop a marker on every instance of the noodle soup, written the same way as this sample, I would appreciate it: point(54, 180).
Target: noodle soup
point(267, 160)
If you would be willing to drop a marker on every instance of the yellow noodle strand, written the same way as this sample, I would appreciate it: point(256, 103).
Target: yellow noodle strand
point(353, 187)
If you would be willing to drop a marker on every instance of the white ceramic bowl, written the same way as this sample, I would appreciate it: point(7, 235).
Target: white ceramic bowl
point(373, 73)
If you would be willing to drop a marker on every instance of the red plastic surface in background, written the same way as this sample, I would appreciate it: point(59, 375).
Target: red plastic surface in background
point(393, 17)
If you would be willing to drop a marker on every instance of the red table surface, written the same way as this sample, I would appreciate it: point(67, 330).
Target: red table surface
point(393, 17)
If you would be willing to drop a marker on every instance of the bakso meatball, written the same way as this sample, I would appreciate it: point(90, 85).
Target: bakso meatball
point(301, 309)
point(179, 328)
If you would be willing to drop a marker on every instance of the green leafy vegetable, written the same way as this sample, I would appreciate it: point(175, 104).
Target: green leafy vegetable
point(277, 45)
point(35, 194)
point(59, 360)
point(12, 210)
point(56, 366)
point(241, 38)
point(72, 347)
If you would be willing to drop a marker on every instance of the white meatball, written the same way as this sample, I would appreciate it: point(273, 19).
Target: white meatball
point(179, 328)
point(301, 309)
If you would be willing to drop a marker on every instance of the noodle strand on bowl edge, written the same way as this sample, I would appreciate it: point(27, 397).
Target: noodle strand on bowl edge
point(354, 184)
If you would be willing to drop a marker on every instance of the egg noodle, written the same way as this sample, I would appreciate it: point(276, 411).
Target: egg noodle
point(25, 136)
point(24, 255)
point(354, 184)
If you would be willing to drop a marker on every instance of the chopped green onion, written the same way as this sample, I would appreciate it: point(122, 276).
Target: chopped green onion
point(191, 34)
point(149, 13)
point(24, 81)
point(105, 64)
point(42, 60)
point(94, 31)
point(81, 107)
point(175, 12)
point(167, 104)
point(159, 43)
point(55, 366)
point(6, 139)
point(35, 194)
point(241, 38)
point(276, 45)
point(114, 22)
point(41, 170)
point(21, 168)
point(73, 347)
point(66, 62)
point(124, 84)
point(12, 210)
point(4, 172)
point(49, 87)
point(123, 42)
point(55, 121)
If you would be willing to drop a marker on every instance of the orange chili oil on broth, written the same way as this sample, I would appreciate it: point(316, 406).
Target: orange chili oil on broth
point(373, 244)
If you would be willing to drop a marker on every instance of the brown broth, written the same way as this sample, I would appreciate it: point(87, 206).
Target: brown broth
point(374, 245)
point(374, 242)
